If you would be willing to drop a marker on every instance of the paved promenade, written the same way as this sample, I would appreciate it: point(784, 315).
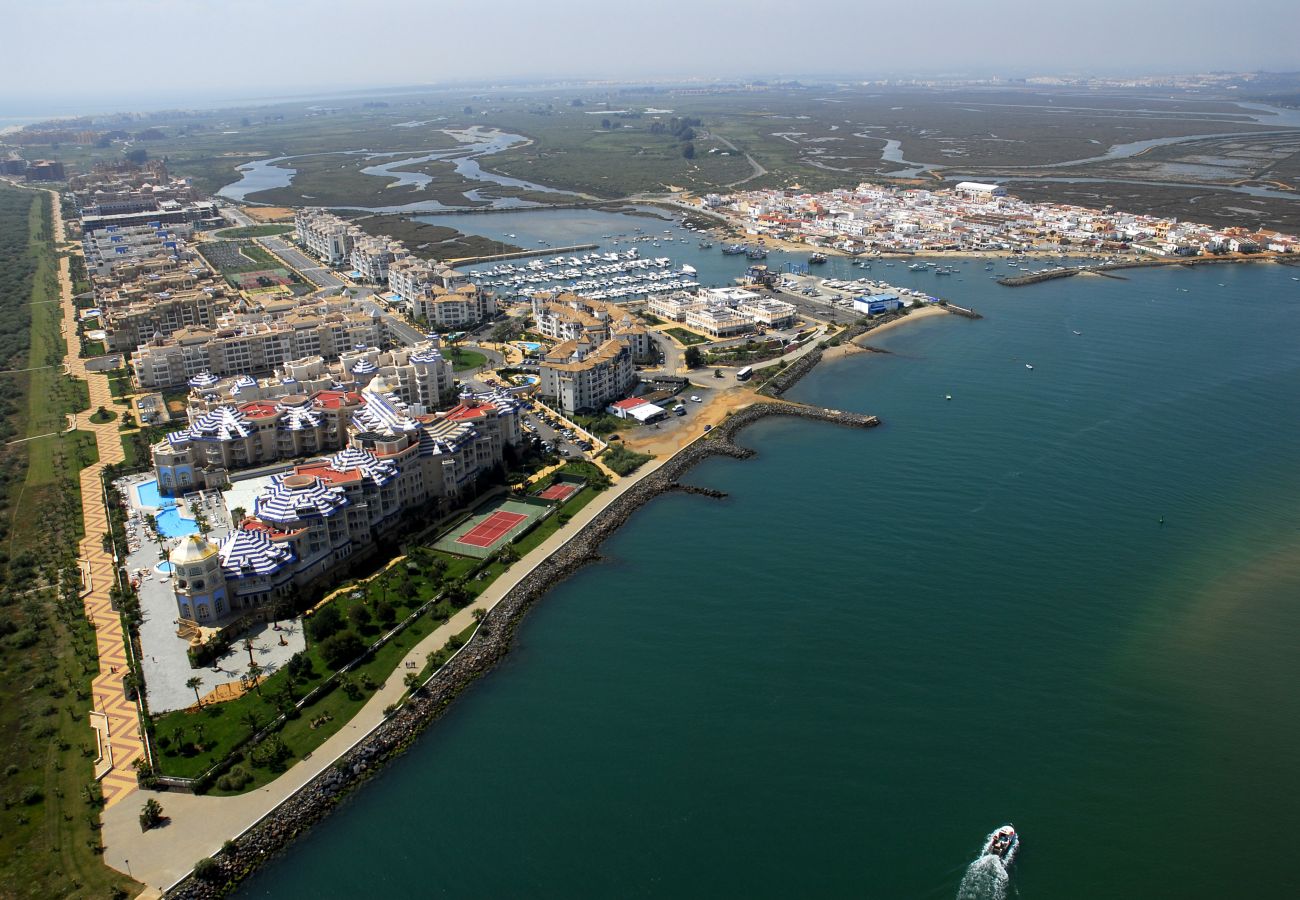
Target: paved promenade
point(118, 717)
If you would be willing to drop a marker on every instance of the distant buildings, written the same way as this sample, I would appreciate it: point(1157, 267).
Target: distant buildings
point(972, 216)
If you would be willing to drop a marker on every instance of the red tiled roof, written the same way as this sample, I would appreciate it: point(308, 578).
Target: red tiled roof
point(328, 474)
point(259, 409)
point(335, 399)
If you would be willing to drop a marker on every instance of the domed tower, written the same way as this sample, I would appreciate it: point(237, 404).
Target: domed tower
point(198, 581)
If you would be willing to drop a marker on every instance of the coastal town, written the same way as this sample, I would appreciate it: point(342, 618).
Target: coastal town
point(324, 459)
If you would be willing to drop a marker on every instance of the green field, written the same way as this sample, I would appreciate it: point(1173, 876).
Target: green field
point(252, 231)
point(432, 241)
point(686, 337)
point(49, 838)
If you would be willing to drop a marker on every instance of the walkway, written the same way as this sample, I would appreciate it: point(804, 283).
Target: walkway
point(109, 697)
point(198, 825)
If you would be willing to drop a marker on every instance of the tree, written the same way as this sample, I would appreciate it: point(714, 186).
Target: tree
point(606, 123)
point(688, 150)
point(137, 155)
point(325, 622)
point(412, 681)
point(151, 814)
point(693, 358)
point(359, 616)
point(194, 684)
point(250, 719)
point(254, 675)
point(385, 612)
point(341, 649)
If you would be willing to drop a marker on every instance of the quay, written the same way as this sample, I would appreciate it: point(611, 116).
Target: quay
point(519, 254)
point(1104, 268)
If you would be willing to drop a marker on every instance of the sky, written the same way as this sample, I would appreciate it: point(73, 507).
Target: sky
point(61, 53)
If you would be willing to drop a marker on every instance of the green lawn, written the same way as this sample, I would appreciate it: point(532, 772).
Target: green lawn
point(686, 337)
point(253, 231)
point(463, 360)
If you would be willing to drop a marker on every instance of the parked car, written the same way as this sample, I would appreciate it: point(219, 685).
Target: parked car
point(695, 399)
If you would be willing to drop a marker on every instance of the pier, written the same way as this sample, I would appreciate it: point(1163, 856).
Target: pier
point(1105, 268)
point(519, 254)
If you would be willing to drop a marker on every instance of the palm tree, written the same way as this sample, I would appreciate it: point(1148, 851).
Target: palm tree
point(250, 719)
point(248, 645)
point(194, 684)
point(254, 673)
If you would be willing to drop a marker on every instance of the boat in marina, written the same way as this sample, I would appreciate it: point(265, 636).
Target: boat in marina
point(817, 259)
point(756, 253)
point(706, 245)
point(733, 249)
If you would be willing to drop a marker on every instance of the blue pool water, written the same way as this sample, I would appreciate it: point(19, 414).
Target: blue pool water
point(530, 346)
point(170, 523)
point(164, 566)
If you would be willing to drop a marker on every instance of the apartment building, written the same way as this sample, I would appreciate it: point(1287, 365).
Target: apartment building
point(325, 235)
point(583, 376)
point(372, 256)
point(250, 345)
point(570, 317)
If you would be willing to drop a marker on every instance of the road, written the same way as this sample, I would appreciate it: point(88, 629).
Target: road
point(759, 171)
point(309, 268)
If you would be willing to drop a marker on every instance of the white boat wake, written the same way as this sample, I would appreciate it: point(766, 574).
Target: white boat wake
point(985, 879)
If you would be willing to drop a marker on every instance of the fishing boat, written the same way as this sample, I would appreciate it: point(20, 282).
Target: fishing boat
point(705, 245)
point(733, 249)
point(1003, 844)
point(1029, 367)
point(756, 253)
point(817, 259)
point(1078, 332)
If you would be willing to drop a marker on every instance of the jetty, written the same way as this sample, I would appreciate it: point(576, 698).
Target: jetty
point(1104, 268)
point(519, 254)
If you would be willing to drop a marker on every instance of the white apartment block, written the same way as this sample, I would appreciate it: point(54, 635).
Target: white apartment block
point(325, 235)
point(584, 377)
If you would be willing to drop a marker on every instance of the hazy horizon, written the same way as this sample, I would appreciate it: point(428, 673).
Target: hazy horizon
point(275, 49)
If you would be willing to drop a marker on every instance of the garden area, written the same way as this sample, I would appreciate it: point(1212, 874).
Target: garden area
point(409, 599)
point(624, 461)
point(686, 337)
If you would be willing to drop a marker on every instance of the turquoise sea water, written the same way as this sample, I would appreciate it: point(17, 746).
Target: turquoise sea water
point(884, 644)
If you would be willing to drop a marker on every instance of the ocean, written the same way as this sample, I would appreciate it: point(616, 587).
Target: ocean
point(1066, 598)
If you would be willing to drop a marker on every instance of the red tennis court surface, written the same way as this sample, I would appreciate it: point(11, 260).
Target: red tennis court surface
point(558, 492)
point(490, 530)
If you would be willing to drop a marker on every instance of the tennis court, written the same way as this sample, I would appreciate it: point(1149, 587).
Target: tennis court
point(493, 524)
point(559, 491)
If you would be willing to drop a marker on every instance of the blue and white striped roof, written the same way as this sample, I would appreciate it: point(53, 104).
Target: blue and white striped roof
point(220, 424)
point(380, 471)
point(282, 503)
point(425, 357)
point(203, 379)
point(382, 411)
point(245, 554)
point(364, 367)
point(299, 418)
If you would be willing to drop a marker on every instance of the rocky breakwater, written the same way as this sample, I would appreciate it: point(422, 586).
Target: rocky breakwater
point(485, 649)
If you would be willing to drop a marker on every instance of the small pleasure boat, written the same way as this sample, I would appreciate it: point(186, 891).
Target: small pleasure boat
point(1003, 844)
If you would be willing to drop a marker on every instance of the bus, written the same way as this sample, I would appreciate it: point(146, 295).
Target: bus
point(745, 374)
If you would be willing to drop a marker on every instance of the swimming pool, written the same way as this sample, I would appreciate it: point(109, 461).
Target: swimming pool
point(170, 523)
point(528, 346)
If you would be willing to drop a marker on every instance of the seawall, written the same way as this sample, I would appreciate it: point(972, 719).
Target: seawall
point(486, 648)
point(1102, 269)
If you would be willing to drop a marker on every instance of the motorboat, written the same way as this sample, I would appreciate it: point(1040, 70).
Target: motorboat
point(1029, 367)
point(1003, 844)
